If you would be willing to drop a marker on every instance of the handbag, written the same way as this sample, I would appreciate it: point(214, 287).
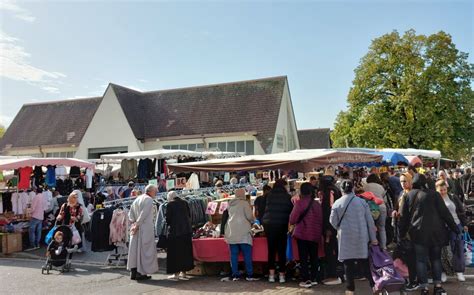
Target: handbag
point(49, 235)
point(468, 248)
point(76, 237)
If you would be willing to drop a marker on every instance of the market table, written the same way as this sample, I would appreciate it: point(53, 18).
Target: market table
point(217, 250)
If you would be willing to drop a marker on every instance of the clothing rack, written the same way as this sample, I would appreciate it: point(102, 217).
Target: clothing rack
point(184, 192)
point(117, 257)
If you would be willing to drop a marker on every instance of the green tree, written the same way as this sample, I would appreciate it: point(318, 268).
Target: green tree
point(2, 130)
point(410, 91)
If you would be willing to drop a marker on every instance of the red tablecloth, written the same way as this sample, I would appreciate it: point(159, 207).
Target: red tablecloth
point(217, 250)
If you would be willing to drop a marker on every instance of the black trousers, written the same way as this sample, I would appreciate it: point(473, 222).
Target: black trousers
point(354, 266)
point(308, 252)
point(331, 254)
point(276, 243)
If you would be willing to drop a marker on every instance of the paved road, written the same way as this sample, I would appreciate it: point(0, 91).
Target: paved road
point(23, 276)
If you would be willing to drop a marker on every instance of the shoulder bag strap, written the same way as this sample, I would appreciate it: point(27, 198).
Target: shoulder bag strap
point(344, 213)
point(301, 217)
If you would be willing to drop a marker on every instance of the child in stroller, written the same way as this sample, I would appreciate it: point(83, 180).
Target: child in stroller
point(59, 252)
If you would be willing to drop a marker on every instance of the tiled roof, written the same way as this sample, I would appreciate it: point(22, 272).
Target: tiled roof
point(50, 123)
point(315, 138)
point(214, 109)
point(238, 107)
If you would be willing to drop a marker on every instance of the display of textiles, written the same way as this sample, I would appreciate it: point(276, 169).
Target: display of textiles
point(51, 176)
point(100, 230)
point(119, 226)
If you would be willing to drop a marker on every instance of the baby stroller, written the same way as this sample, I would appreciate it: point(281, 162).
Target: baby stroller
point(60, 255)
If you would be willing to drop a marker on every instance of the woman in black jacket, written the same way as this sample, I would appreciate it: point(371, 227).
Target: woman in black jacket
point(424, 219)
point(179, 258)
point(275, 222)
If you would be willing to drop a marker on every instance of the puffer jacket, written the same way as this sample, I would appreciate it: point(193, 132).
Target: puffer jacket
point(278, 207)
point(311, 226)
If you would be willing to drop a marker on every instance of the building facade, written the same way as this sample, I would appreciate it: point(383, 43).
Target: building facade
point(252, 117)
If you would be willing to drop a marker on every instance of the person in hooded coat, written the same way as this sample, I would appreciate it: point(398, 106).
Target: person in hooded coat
point(424, 218)
point(179, 258)
point(142, 258)
point(238, 235)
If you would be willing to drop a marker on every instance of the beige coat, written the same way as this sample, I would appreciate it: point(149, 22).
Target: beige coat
point(237, 230)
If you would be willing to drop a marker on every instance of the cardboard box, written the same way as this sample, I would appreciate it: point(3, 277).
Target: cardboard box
point(10, 243)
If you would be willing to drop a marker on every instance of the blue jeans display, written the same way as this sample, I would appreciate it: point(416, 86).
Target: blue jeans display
point(423, 256)
point(36, 226)
point(234, 259)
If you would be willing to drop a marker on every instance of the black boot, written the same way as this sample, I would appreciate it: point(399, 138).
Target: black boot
point(133, 273)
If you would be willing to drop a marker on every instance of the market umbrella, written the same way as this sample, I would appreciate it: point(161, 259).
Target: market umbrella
point(389, 158)
point(301, 160)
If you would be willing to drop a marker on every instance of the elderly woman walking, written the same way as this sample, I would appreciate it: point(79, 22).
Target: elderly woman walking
point(179, 258)
point(142, 258)
point(352, 219)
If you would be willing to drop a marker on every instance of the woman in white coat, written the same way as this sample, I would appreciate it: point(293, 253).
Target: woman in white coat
point(142, 259)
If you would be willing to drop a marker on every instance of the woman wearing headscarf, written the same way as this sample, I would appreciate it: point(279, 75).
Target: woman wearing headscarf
point(71, 214)
point(374, 185)
point(180, 244)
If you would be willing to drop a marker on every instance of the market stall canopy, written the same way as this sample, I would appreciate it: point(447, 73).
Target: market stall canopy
point(299, 160)
point(389, 158)
point(414, 160)
point(416, 152)
point(10, 164)
point(167, 154)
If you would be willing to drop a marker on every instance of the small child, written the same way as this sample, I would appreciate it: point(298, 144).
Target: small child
point(57, 250)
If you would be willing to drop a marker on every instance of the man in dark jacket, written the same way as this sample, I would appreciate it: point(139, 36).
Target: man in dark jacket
point(424, 219)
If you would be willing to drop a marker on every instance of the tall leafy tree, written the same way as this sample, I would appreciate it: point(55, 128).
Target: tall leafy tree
point(410, 91)
point(2, 130)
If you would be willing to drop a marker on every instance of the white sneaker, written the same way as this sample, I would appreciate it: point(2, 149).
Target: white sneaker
point(306, 284)
point(173, 278)
point(271, 279)
point(461, 277)
point(338, 281)
point(282, 279)
point(444, 278)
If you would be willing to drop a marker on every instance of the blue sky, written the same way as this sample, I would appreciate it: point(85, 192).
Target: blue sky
point(63, 49)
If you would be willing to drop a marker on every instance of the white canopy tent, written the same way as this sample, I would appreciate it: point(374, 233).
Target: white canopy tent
point(10, 164)
point(167, 154)
point(301, 160)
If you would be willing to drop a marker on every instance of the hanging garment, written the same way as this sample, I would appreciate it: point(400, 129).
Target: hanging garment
point(128, 169)
point(118, 226)
point(75, 172)
point(25, 174)
point(61, 172)
point(48, 201)
point(14, 199)
point(193, 182)
point(100, 230)
point(38, 176)
point(89, 175)
point(51, 176)
point(142, 169)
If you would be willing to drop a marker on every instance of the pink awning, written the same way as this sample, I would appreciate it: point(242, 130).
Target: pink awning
point(10, 164)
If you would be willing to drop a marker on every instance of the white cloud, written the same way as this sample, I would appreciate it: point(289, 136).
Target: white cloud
point(77, 97)
point(143, 80)
point(17, 11)
point(51, 89)
point(15, 65)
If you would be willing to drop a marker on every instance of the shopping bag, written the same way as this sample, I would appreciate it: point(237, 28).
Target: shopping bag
point(384, 273)
point(468, 248)
point(76, 237)
point(289, 248)
point(401, 267)
point(50, 235)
